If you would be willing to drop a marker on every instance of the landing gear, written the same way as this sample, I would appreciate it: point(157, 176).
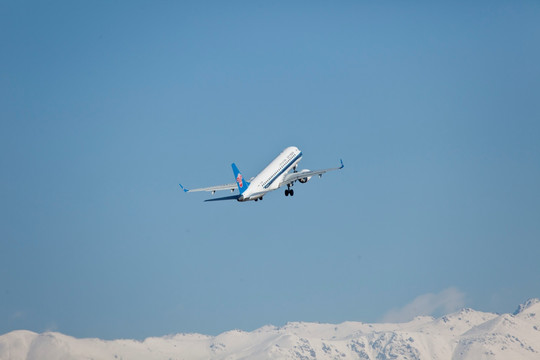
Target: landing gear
point(289, 192)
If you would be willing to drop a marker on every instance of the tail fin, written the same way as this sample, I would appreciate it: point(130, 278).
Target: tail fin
point(240, 181)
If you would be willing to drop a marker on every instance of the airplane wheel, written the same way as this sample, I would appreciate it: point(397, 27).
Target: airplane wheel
point(291, 192)
point(260, 198)
point(256, 199)
point(286, 192)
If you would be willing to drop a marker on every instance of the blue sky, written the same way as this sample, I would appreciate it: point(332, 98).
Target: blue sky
point(105, 108)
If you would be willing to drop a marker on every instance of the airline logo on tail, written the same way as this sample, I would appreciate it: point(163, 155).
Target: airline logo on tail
point(239, 180)
point(242, 184)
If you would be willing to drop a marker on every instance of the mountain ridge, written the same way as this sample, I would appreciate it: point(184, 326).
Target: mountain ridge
point(465, 334)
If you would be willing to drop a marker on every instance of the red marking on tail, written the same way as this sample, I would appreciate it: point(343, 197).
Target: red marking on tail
point(239, 179)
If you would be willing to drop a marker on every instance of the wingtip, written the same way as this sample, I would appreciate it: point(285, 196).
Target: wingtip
point(342, 166)
point(183, 188)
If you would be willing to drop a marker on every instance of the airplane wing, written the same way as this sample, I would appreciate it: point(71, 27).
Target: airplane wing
point(292, 177)
point(231, 187)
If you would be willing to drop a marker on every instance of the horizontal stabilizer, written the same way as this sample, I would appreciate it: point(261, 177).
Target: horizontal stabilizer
point(233, 197)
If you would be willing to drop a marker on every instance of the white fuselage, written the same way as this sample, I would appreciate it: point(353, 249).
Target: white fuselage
point(270, 178)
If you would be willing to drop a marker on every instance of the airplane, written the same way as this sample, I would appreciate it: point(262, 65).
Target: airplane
point(275, 175)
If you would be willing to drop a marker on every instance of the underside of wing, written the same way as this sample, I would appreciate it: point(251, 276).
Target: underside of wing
point(292, 177)
point(231, 187)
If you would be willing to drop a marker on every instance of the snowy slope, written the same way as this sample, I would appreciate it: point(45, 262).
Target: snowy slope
point(467, 334)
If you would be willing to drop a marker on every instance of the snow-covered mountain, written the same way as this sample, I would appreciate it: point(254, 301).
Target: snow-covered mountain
point(467, 334)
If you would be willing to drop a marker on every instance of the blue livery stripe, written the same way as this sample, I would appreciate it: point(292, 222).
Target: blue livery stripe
point(286, 168)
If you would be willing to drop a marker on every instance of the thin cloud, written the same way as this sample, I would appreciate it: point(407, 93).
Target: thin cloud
point(446, 301)
point(51, 327)
point(18, 315)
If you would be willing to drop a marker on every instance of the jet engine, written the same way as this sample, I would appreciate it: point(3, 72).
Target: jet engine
point(306, 179)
